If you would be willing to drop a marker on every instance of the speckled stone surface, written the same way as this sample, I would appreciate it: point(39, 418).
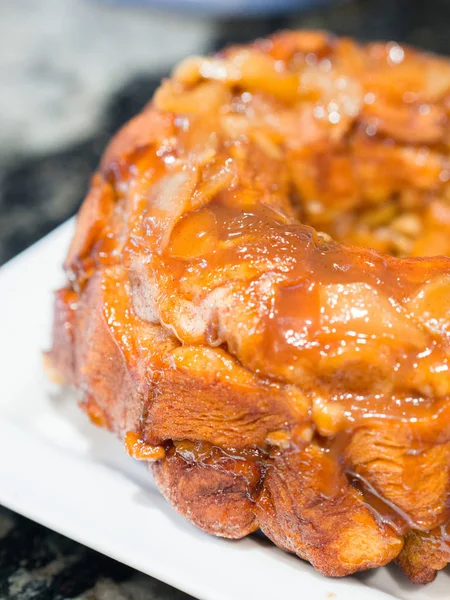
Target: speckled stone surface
point(36, 563)
point(71, 72)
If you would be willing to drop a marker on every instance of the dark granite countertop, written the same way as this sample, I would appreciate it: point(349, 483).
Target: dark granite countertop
point(71, 73)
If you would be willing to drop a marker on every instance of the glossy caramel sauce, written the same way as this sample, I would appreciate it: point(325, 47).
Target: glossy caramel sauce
point(242, 463)
point(442, 538)
point(137, 448)
point(272, 202)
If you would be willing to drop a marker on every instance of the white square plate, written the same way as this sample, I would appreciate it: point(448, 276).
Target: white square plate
point(58, 469)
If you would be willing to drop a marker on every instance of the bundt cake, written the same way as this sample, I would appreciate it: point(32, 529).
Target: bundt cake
point(258, 298)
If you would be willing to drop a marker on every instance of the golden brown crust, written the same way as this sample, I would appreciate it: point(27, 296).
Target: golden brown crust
point(279, 378)
point(213, 497)
point(60, 361)
point(424, 554)
point(322, 519)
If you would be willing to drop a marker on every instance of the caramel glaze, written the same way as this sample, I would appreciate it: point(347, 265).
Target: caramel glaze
point(202, 201)
point(441, 538)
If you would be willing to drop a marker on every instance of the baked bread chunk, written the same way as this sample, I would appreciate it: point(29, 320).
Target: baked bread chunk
point(258, 298)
